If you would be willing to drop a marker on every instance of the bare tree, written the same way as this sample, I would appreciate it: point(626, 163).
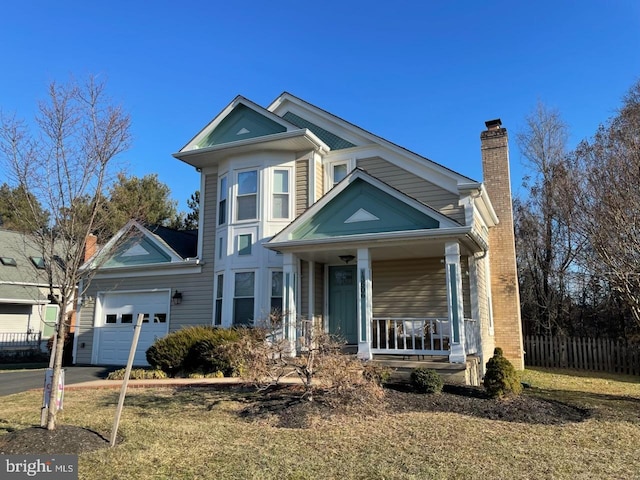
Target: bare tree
point(607, 193)
point(547, 241)
point(65, 160)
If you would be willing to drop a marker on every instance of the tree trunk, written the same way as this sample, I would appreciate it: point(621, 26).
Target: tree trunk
point(57, 368)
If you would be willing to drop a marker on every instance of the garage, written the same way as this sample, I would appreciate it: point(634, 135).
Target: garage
point(117, 316)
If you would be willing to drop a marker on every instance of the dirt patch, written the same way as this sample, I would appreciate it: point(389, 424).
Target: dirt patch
point(64, 440)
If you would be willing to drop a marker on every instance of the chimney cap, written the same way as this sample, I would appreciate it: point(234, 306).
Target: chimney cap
point(493, 124)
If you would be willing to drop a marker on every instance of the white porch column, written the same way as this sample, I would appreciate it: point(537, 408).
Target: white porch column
point(455, 302)
point(365, 304)
point(289, 269)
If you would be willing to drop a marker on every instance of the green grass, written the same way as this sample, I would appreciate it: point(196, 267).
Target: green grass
point(197, 433)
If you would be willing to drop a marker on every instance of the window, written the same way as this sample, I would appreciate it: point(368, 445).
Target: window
point(11, 262)
point(111, 318)
point(339, 172)
point(145, 318)
point(219, 289)
point(222, 205)
point(243, 298)
point(281, 194)
point(160, 318)
point(127, 318)
point(220, 247)
point(244, 244)
point(247, 195)
point(38, 262)
point(276, 293)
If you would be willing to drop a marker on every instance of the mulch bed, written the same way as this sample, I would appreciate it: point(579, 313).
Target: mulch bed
point(64, 440)
point(283, 407)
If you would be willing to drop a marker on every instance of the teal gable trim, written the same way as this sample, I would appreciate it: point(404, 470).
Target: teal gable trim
point(362, 208)
point(240, 124)
point(137, 251)
point(333, 141)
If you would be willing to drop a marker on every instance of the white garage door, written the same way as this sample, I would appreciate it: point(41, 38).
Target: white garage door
point(119, 315)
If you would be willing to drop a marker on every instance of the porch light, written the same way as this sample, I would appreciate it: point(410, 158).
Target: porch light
point(346, 258)
point(177, 298)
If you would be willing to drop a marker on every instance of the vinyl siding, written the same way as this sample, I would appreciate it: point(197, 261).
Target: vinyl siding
point(420, 189)
point(319, 180)
point(302, 186)
point(414, 288)
point(318, 291)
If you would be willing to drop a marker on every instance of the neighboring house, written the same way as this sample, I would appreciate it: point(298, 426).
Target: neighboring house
point(25, 306)
point(305, 213)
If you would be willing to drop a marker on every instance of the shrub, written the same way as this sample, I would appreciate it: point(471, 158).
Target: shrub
point(137, 374)
point(209, 355)
point(175, 353)
point(425, 380)
point(501, 377)
point(67, 354)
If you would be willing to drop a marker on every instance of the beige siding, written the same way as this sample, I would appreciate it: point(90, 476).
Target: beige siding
point(210, 211)
point(414, 186)
point(319, 180)
point(414, 288)
point(302, 186)
point(409, 288)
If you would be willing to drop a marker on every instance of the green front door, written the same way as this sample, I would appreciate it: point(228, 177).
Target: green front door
point(342, 303)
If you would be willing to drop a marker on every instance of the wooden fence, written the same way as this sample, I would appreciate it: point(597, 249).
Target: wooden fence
point(597, 354)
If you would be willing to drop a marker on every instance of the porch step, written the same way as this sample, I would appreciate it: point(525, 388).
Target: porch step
point(455, 373)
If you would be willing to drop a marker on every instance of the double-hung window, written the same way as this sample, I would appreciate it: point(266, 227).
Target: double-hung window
point(276, 293)
point(219, 290)
point(243, 298)
point(280, 194)
point(222, 205)
point(247, 198)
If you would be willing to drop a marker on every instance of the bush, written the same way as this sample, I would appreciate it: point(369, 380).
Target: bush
point(501, 377)
point(173, 354)
point(425, 380)
point(137, 374)
point(67, 354)
point(209, 355)
point(192, 350)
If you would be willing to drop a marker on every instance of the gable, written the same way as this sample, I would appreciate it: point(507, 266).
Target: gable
point(362, 208)
point(137, 251)
point(241, 123)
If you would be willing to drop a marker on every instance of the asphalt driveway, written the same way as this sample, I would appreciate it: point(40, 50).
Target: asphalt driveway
point(20, 381)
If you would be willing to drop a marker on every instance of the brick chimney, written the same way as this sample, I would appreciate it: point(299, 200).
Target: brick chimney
point(90, 246)
point(502, 252)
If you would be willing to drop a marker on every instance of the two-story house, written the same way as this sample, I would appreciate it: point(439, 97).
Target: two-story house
point(307, 214)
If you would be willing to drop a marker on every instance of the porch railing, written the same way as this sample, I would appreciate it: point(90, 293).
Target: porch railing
point(471, 336)
point(410, 336)
point(19, 341)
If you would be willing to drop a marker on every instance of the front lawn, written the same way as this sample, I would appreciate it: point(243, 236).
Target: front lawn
point(229, 434)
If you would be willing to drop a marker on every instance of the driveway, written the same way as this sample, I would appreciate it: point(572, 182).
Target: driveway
point(15, 382)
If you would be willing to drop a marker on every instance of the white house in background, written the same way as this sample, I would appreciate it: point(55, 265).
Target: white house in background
point(306, 213)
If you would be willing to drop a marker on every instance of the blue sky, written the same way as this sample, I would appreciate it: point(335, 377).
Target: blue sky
point(422, 74)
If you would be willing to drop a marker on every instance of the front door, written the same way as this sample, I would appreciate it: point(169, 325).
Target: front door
point(342, 303)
